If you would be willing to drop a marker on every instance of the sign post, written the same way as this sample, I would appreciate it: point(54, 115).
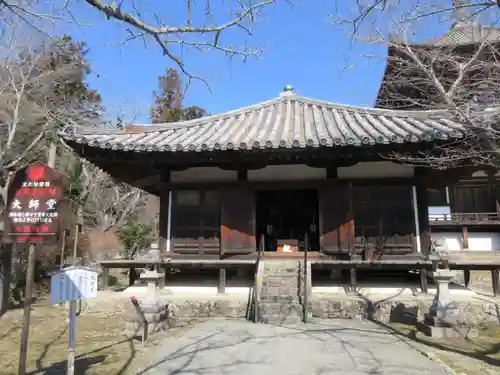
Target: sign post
point(32, 216)
point(72, 284)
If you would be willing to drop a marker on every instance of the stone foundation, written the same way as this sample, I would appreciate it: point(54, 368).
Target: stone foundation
point(472, 311)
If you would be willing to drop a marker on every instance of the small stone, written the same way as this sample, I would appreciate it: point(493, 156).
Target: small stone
point(432, 356)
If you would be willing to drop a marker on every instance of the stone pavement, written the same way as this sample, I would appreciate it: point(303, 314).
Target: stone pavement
point(325, 347)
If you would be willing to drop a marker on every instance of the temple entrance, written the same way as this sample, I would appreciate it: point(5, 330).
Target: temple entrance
point(285, 216)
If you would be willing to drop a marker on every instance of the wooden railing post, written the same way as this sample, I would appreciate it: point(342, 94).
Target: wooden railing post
point(257, 282)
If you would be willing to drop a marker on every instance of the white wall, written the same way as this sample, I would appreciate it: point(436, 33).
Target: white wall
point(287, 172)
point(375, 169)
point(484, 241)
point(203, 174)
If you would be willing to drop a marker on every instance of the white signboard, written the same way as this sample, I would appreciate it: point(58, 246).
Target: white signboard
point(72, 284)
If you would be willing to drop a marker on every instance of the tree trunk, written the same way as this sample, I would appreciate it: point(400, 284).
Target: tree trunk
point(52, 155)
point(131, 276)
point(5, 276)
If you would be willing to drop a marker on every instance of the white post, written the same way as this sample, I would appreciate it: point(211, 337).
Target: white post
point(169, 218)
point(72, 338)
point(415, 214)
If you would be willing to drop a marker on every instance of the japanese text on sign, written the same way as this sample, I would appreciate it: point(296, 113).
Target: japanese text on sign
point(34, 204)
point(73, 284)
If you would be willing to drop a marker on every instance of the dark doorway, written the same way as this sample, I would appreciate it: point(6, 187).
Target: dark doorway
point(288, 215)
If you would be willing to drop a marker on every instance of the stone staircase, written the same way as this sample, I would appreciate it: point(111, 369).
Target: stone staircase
point(282, 292)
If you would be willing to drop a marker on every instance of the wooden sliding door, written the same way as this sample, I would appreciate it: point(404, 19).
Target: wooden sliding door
point(195, 216)
point(336, 220)
point(384, 217)
point(238, 221)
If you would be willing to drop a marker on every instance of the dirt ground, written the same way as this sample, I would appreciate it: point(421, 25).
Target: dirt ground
point(103, 346)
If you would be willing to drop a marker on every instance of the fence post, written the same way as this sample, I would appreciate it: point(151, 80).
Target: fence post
point(145, 324)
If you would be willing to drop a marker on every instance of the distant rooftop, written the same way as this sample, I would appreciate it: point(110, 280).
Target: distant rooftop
point(466, 33)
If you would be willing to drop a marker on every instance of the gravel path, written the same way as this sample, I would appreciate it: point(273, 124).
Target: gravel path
point(220, 347)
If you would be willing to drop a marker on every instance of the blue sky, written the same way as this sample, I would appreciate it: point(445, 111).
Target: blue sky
point(301, 48)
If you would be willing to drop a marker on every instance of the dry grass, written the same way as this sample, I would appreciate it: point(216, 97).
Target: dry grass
point(474, 356)
point(103, 345)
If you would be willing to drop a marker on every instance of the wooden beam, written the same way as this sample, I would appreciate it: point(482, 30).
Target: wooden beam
point(337, 155)
point(309, 184)
point(242, 166)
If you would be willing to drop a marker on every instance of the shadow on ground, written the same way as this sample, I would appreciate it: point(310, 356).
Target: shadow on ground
point(401, 314)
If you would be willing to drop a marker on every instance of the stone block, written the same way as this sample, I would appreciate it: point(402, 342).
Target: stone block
point(228, 309)
point(447, 333)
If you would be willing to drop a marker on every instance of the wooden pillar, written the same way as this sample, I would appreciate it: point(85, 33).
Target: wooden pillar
point(465, 238)
point(242, 175)
point(492, 190)
point(221, 289)
point(165, 214)
point(131, 276)
point(423, 281)
point(495, 282)
point(423, 210)
point(331, 173)
point(352, 280)
point(467, 277)
point(105, 278)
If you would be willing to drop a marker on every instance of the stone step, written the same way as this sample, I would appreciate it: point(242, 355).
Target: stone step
point(281, 320)
point(280, 292)
point(287, 276)
point(283, 299)
point(282, 309)
point(281, 279)
point(284, 269)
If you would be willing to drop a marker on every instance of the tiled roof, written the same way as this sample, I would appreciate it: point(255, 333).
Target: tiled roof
point(466, 33)
point(289, 121)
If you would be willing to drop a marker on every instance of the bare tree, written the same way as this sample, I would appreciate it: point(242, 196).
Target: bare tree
point(388, 15)
point(109, 203)
point(458, 72)
point(32, 106)
point(203, 29)
point(465, 83)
